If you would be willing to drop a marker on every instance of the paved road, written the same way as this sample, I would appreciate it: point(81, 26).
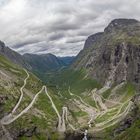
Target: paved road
point(11, 118)
point(60, 127)
point(21, 91)
point(61, 119)
point(117, 118)
point(98, 100)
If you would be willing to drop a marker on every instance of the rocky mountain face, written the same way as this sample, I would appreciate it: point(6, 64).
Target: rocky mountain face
point(113, 56)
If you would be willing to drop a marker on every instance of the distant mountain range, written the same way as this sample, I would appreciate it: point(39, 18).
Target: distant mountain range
point(42, 63)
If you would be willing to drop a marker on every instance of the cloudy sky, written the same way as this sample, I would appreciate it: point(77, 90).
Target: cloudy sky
point(58, 26)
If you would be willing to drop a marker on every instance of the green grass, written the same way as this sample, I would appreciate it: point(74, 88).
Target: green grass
point(44, 104)
point(106, 116)
point(35, 137)
point(11, 90)
point(79, 113)
point(128, 90)
point(9, 66)
point(75, 80)
point(106, 93)
point(90, 101)
point(132, 133)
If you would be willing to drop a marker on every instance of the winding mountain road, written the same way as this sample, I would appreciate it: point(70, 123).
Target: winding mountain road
point(118, 118)
point(92, 111)
point(81, 100)
point(60, 127)
point(85, 107)
point(11, 118)
point(65, 112)
point(98, 100)
point(21, 91)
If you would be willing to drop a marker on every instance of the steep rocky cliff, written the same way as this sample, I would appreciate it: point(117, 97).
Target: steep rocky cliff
point(114, 55)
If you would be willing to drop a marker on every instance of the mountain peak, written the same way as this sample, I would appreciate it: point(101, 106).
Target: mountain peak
point(2, 44)
point(48, 55)
point(121, 22)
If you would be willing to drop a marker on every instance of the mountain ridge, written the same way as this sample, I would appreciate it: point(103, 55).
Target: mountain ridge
point(115, 48)
point(43, 62)
point(12, 55)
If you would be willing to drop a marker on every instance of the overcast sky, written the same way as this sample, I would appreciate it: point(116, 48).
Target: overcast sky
point(58, 26)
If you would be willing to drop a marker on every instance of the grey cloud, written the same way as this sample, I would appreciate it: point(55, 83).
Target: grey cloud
point(56, 36)
point(21, 44)
point(58, 27)
point(75, 40)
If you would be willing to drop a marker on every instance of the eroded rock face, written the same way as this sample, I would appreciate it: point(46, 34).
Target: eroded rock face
point(92, 39)
point(113, 56)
